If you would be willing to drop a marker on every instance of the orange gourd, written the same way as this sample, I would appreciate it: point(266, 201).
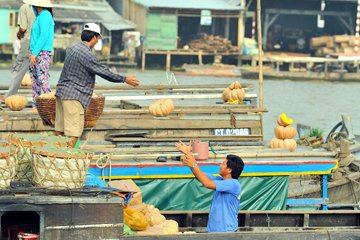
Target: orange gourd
point(135, 219)
point(290, 144)
point(234, 85)
point(156, 219)
point(287, 132)
point(277, 143)
point(16, 102)
point(170, 227)
point(26, 81)
point(286, 143)
point(233, 94)
point(162, 108)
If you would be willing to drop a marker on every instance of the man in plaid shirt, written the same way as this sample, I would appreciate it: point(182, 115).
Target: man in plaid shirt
point(76, 84)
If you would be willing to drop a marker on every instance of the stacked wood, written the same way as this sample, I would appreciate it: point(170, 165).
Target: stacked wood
point(332, 44)
point(211, 43)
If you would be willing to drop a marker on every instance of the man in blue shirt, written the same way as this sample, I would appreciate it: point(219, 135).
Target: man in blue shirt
point(223, 214)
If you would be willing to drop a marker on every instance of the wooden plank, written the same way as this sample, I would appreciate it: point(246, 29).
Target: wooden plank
point(178, 96)
point(184, 138)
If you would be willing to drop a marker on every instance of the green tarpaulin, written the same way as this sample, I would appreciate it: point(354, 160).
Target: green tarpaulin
point(258, 193)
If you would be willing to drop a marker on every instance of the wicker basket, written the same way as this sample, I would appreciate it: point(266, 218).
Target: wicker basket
point(47, 110)
point(7, 165)
point(60, 168)
point(24, 142)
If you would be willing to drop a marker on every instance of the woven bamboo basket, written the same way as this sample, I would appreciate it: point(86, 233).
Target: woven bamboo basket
point(47, 110)
point(60, 168)
point(7, 165)
point(24, 143)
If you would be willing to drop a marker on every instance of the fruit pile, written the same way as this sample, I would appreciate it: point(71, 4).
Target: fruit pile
point(284, 134)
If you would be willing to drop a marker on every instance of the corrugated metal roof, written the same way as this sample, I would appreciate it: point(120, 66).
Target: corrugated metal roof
point(10, 4)
point(92, 11)
point(89, 11)
point(189, 4)
point(75, 15)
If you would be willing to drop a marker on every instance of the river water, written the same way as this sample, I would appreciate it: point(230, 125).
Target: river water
point(315, 103)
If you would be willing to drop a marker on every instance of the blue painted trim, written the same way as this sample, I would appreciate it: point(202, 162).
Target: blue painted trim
point(324, 190)
point(214, 169)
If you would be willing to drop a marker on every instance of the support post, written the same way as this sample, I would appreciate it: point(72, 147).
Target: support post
point(227, 28)
point(240, 36)
point(200, 57)
point(168, 61)
point(143, 60)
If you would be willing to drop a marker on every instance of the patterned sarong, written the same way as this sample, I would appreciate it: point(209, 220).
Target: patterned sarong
point(39, 74)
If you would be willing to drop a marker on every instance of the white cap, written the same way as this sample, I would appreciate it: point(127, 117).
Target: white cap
point(92, 27)
point(39, 3)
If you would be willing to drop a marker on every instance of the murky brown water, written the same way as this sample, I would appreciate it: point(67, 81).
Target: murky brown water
point(315, 103)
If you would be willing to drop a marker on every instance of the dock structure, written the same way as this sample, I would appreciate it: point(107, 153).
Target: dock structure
point(168, 53)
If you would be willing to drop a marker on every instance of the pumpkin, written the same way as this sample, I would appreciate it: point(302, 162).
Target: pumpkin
point(234, 85)
point(234, 94)
point(48, 95)
point(277, 143)
point(287, 132)
point(16, 102)
point(162, 107)
point(170, 227)
point(26, 81)
point(286, 143)
point(284, 120)
point(156, 219)
point(135, 219)
point(290, 144)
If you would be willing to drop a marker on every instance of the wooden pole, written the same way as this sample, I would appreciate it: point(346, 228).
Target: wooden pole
point(240, 30)
point(260, 58)
point(168, 61)
point(200, 57)
point(143, 60)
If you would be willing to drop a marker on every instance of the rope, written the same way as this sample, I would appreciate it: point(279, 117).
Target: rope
point(102, 162)
point(87, 138)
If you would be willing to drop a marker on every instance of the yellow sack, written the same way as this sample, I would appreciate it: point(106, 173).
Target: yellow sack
point(135, 219)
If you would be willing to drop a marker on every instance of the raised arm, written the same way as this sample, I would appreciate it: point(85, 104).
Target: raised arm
point(190, 161)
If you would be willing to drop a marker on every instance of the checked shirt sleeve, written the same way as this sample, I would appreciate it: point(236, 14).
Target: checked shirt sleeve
point(94, 66)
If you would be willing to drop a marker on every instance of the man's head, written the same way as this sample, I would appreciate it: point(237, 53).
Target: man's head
point(91, 34)
point(233, 165)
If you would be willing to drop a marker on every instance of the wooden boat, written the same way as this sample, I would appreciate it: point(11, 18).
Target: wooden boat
point(303, 68)
point(215, 70)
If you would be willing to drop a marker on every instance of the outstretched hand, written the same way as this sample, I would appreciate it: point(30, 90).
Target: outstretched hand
point(182, 147)
point(188, 159)
point(132, 81)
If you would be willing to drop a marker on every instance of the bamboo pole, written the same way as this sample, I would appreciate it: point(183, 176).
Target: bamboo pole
point(260, 59)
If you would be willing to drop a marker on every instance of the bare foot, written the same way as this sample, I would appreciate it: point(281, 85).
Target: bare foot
point(34, 110)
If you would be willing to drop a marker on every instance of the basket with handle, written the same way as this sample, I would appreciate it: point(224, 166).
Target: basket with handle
point(7, 165)
point(60, 168)
point(46, 106)
point(24, 142)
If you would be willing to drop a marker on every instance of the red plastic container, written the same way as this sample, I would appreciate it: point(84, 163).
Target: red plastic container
point(28, 236)
point(201, 148)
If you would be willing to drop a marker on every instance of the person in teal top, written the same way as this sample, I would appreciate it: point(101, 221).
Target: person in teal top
point(223, 214)
point(41, 46)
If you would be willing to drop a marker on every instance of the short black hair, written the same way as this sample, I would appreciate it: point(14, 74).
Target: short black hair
point(87, 35)
point(236, 164)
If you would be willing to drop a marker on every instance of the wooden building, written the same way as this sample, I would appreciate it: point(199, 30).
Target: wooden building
point(70, 16)
point(287, 21)
point(169, 25)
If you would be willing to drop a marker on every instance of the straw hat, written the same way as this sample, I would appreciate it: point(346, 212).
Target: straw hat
point(39, 3)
